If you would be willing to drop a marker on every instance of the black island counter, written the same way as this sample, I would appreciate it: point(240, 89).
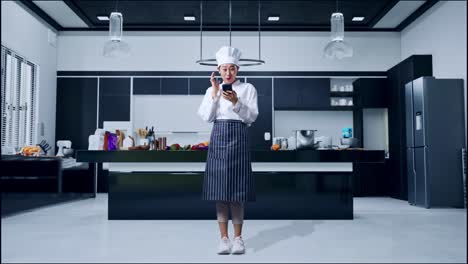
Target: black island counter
point(297, 184)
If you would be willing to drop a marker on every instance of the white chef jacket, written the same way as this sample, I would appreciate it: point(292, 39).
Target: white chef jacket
point(246, 108)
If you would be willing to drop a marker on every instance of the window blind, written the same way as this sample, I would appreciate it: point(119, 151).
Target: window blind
point(19, 92)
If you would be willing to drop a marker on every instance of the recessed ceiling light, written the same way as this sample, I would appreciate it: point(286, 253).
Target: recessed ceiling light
point(358, 18)
point(189, 18)
point(273, 18)
point(103, 18)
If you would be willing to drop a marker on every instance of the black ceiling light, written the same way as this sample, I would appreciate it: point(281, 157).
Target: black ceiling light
point(242, 62)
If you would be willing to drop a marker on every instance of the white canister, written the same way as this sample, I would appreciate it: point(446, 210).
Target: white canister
point(292, 143)
point(284, 143)
point(128, 142)
point(144, 141)
point(342, 101)
point(93, 142)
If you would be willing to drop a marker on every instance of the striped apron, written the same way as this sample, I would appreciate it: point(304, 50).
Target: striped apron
point(228, 171)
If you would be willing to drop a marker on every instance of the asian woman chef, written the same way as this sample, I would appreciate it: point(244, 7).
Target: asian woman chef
point(228, 176)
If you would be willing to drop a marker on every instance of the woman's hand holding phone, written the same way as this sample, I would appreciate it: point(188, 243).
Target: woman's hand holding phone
point(231, 96)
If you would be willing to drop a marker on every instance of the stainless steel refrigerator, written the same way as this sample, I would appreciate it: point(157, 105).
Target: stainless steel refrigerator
point(435, 133)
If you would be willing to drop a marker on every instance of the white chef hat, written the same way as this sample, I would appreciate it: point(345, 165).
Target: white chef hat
point(228, 54)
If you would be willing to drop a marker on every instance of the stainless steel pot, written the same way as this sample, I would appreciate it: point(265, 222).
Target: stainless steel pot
point(305, 139)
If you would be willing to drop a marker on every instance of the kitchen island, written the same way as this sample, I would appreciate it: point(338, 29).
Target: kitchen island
point(303, 184)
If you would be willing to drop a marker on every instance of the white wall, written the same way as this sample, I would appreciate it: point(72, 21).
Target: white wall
point(441, 31)
point(375, 128)
point(178, 51)
point(26, 35)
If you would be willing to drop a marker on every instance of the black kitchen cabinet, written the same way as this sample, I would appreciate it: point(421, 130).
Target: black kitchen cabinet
point(299, 195)
point(358, 126)
point(370, 92)
point(301, 93)
point(286, 95)
point(114, 100)
point(142, 86)
point(198, 86)
point(315, 93)
point(76, 110)
point(370, 179)
point(264, 120)
point(409, 69)
point(262, 85)
point(174, 86)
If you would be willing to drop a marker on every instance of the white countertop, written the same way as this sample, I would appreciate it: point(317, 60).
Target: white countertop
point(256, 166)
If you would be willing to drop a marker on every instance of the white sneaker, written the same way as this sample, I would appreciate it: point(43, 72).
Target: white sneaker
point(224, 246)
point(238, 247)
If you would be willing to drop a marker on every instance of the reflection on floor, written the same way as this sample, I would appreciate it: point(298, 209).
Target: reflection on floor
point(15, 203)
point(384, 230)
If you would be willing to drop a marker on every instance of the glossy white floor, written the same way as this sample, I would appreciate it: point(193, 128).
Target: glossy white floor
point(384, 230)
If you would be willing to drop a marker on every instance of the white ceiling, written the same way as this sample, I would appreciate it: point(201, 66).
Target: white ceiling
point(398, 13)
point(61, 13)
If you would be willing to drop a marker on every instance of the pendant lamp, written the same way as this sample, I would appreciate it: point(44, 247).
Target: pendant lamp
point(115, 47)
point(242, 61)
point(337, 47)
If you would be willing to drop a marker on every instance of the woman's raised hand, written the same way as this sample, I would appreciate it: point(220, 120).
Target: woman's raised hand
point(214, 84)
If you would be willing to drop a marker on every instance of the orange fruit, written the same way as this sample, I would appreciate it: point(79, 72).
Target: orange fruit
point(275, 147)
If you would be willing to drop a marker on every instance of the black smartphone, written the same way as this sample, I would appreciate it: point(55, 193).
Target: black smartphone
point(227, 87)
